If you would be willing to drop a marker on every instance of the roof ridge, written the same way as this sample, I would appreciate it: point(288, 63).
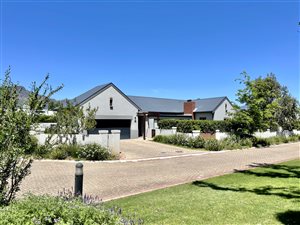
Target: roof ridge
point(209, 98)
point(155, 97)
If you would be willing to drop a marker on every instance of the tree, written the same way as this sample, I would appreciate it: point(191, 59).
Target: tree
point(267, 106)
point(287, 115)
point(72, 119)
point(15, 125)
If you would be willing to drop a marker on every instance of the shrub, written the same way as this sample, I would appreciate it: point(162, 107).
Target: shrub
point(187, 126)
point(181, 140)
point(59, 152)
point(42, 118)
point(293, 138)
point(94, 152)
point(261, 142)
point(231, 142)
point(213, 145)
point(32, 145)
point(246, 142)
point(197, 142)
point(160, 138)
point(41, 151)
point(55, 210)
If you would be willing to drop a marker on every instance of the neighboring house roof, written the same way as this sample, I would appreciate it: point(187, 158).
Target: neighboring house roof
point(209, 104)
point(164, 105)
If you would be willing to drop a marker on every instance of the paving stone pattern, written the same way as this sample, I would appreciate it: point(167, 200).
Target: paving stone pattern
point(119, 179)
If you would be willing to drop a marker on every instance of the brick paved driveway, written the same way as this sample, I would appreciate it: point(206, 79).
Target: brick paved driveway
point(114, 180)
point(140, 149)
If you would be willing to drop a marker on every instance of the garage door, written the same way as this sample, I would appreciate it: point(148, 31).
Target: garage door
point(122, 125)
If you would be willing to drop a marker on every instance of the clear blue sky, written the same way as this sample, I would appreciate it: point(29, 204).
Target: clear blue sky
point(173, 49)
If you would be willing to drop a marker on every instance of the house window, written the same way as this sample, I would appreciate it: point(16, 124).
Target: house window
point(202, 118)
point(226, 108)
point(111, 103)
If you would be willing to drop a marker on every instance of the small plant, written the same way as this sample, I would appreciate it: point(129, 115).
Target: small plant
point(32, 145)
point(246, 142)
point(213, 145)
point(59, 152)
point(261, 142)
point(294, 138)
point(94, 152)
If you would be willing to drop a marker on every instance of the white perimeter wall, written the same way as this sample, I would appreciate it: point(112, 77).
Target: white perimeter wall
point(104, 138)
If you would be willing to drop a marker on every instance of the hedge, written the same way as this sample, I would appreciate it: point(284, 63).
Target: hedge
point(187, 126)
point(46, 119)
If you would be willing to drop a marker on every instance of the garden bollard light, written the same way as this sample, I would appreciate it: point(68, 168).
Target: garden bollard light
point(78, 179)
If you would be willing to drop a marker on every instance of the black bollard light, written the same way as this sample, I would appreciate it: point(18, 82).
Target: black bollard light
point(78, 179)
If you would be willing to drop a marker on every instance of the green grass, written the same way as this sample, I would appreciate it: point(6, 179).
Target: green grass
point(267, 195)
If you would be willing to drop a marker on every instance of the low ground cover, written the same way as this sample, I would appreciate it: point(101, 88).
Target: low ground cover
point(266, 195)
point(229, 143)
point(56, 210)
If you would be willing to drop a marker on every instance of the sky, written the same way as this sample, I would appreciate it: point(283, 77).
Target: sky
point(171, 49)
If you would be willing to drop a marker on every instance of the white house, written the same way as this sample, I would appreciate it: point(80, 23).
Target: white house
point(136, 115)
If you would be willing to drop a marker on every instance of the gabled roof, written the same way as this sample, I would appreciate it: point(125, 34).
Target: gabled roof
point(209, 104)
point(152, 104)
point(90, 93)
point(163, 105)
point(86, 96)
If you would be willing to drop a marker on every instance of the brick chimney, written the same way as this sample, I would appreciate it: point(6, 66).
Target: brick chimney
point(188, 107)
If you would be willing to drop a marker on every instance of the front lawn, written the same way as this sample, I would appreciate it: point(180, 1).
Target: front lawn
point(268, 195)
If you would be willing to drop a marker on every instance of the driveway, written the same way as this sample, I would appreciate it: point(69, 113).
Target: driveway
point(140, 149)
point(111, 180)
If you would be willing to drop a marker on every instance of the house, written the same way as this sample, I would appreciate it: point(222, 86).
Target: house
point(136, 115)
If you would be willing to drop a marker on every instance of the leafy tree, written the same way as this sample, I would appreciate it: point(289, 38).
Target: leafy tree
point(15, 125)
point(287, 115)
point(72, 119)
point(267, 105)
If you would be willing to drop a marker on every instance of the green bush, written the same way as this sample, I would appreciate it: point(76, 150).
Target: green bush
point(181, 140)
point(261, 142)
point(231, 142)
point(197, 142)
point(45, 119)
point(160, 138)
point(187, 126)
point(94, 152)
point(32, 146)
point(293, 138)
point(41, 151)
point(213, 145)
point(59, 152)
point(55, 210)
point(246, 142)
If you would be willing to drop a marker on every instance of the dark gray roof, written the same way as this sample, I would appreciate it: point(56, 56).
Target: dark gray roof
point(151, 104)
point(95, 91)
point(88, 94)
point(208, 104)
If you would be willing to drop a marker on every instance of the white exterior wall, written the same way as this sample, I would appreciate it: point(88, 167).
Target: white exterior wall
point(110, 141)
point(266, 134)
point(122, 108)
point(220, 112)
point(207, 115)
